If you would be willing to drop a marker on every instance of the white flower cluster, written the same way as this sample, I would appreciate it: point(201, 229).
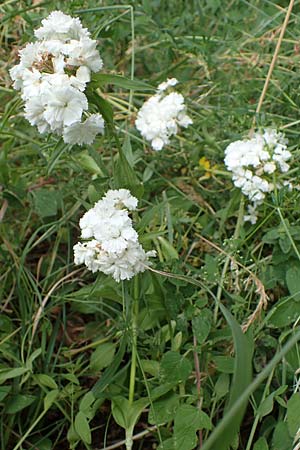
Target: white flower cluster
point(52, 75)
point(252, 161)
point(159, 117)
point(114, 248)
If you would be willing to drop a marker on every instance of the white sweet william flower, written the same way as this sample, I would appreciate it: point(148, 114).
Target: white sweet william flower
point(61, 26)
point(114, 248)
point(64, 106)
point(252, 161)
point(84, 53)
point(84, 132)
point(166, 84)
point(159, 117)
point(52, 75)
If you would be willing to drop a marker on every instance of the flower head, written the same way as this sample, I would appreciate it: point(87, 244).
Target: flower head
point(52, 75)
point(252, 161)
point(113, 247)
point(161, 115)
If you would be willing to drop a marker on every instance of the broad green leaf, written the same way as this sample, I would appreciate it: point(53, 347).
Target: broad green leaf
point(261, 444)
point(150, 366)
point(4, 391)
point(167, 249)
point(222, 386)
point(175, 368)
point(102, 356)
point(241, 379)
point(120, 81)
point(103, 106)
point(6, 374)
point(224, 364)
point(202, 325)
point(266, 406)
point(125, 176)
point(293, 414)
point(286, 311)
point(164, 409)
point(32, 357)
point(50, 398)
point(45, 202)
point(86, 401)
point(45, 380)
point(88, 163)
point(82, 428)
point(293, 281)
point(110, 372)
point(188, 421)
point(281, 438)
point(125, 414)
point(18, 402)
point(285, 244)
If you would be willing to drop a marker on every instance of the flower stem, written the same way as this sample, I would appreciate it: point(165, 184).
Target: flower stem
point(134, 314)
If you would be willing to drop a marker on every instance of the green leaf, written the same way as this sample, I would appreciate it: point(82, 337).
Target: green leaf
point(18, 402)
point(286, 311)
point(167, 248)
point(7, 374)
point(45, 202)
point(125, 176)
point(188, 421)
point(261, 444)
point(110, 372)
point(50, 398)
point(82, 428)
point(241, 379)
point(266, 406)
point(4, 391)
point(175, 368)
point(222, 386)
point(281, 438)
point(293, 281)
point(86, 402)
point(120, 81)
point(202, 325)
point(88, 163)
point(46, 380)
point(125, 414)
point(102, 356)
point(293, 416)
point(164, 409)
point(103, 106)
point(285, 244)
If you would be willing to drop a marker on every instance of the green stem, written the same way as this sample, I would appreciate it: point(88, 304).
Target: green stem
point(254, 426)
point(134, 315)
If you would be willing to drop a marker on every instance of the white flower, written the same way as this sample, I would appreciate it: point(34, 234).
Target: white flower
point(84, 53)
point(251, 161)
point(84, 132)
point(166, 84)
point(159, 117)
point(57, 69)
point(114, 248)
point(61, 26)
point(64, 106)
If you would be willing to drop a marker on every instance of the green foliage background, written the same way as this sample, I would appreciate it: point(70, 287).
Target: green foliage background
point(65, 344)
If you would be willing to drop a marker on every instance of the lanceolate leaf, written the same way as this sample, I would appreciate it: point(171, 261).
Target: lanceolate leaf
point(120, 81)
point(241, 379)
